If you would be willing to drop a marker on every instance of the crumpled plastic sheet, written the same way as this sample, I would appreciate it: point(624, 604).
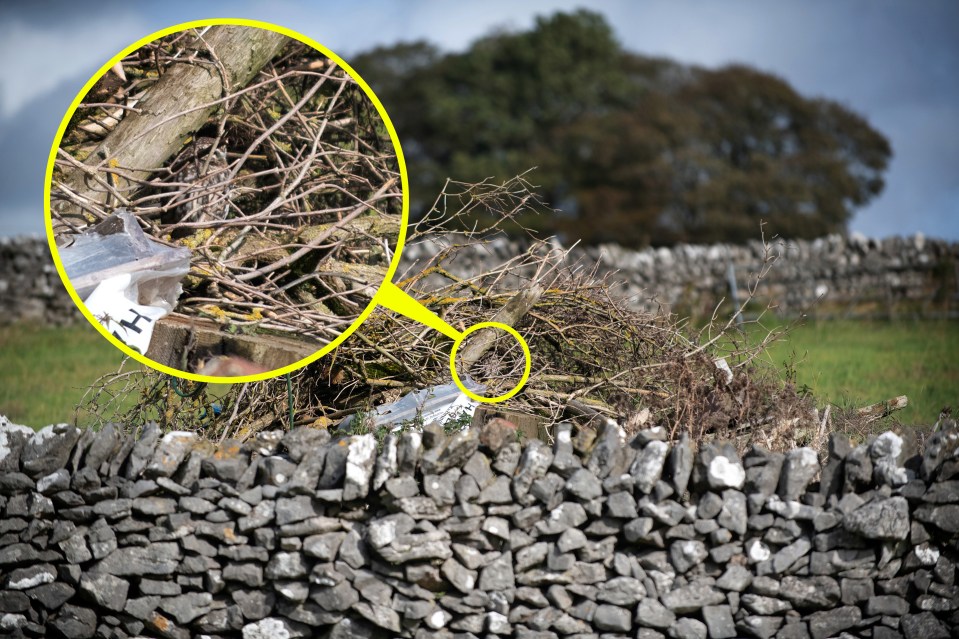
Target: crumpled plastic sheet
point(434, 404)
point(126, 279)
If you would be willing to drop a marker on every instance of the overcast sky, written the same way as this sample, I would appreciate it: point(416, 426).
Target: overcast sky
point(896, 63)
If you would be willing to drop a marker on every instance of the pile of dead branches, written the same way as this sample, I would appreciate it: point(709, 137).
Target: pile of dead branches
point(283, 181)
point(591, 355)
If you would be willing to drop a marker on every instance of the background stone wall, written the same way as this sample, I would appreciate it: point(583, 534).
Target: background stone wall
point(298, 534)
point(30, 288)
point(831, 275)
point(855, 275)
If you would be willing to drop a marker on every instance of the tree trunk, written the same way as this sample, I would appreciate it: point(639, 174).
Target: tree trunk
point(177, 105)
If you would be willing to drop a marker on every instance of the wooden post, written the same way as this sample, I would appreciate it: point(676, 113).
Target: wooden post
point(527, 426)
point(173, 334)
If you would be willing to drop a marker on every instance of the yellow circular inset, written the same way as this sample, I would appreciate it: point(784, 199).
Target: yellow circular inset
point(519, 338)
point(75, 104)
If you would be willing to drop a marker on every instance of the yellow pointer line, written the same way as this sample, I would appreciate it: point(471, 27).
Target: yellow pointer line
point(394, 298)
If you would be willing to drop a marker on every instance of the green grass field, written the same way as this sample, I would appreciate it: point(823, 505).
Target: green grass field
point(45, 371)
point(853, 363)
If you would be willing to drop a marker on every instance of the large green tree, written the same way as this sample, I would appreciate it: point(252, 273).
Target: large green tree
point(630, 149)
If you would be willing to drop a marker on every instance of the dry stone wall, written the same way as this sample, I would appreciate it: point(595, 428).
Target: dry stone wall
point(30, 288)
point(300, 534)
point(913, 275)
point(832, 275)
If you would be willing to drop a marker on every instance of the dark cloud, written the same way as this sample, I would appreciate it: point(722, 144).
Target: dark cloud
point(26, 139)
point(894, 62)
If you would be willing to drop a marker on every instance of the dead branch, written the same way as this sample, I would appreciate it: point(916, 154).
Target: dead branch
point(880, 410)
point(179, 103)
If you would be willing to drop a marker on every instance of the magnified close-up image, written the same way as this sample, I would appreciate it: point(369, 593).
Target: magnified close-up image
point(226, 200)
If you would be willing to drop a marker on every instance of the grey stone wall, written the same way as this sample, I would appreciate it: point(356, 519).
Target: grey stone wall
point(298, 534)
point(30, 288)
point(873, 277)
point(832, 275)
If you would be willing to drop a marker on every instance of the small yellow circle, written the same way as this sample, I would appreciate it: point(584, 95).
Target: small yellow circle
point(522, 382)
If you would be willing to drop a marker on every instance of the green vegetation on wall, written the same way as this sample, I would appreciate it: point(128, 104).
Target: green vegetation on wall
point(849, 363)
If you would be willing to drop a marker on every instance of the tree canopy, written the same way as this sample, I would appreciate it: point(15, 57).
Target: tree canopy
point(627, 148)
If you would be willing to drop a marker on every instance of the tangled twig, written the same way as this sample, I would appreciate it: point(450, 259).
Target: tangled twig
point(289, 194)
point(591, 354)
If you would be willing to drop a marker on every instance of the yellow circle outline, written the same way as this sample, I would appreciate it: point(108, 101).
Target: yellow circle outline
point(400, 160)
point(519, 338)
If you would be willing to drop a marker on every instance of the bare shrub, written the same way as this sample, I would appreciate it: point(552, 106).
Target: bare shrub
point(591, 355)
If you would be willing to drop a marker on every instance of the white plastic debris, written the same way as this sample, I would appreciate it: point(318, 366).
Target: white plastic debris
point(127, 280)
point(440, 404)
point(724, 369)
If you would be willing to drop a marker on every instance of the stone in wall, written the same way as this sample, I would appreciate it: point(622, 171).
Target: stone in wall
point(308, 534)
point(30, 288)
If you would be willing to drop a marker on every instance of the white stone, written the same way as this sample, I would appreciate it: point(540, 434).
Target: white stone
point(43, 577)
point(10, 621)
point(648, 467)
point(285, 563)
point(386, 465)
point(44, 482)
point(171, 451)
point(927, 555)
point(359, 467)
point(381, 532)
point(6, 426)
point(497, 623)
point(269, 628)
point(537, 457)
point(807, 457)
point(496, 526)
point(888, 444)
point(44, 433)
point(886, 471)
point(757, 551)
point(692, 551)
point(789, 509)
point(726, 474)
point(663, 580)
point(438, 619)
point(416, 442)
